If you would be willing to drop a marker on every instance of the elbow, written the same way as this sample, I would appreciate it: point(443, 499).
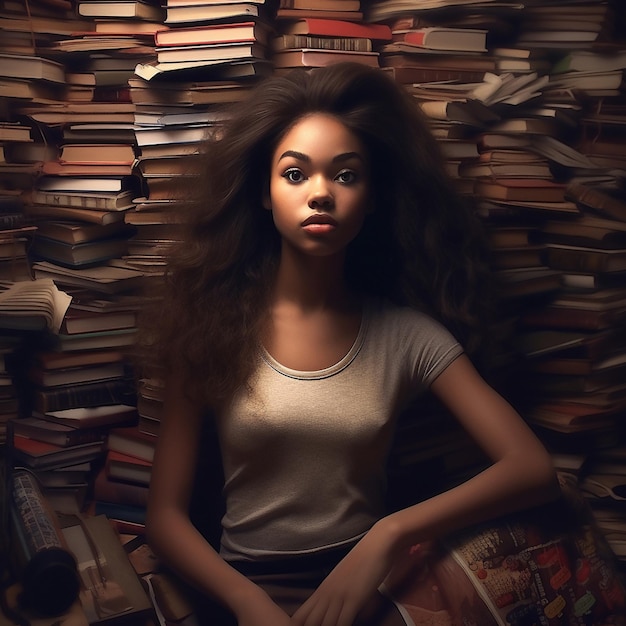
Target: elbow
point(155, 527)
point(544, 479)
point(152, 529)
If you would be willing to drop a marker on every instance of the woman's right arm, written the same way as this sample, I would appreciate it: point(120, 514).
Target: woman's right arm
point(170, 531)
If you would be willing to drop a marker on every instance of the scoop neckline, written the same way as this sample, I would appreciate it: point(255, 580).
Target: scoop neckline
point(331, 370)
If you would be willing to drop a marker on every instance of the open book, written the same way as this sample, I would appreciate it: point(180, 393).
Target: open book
point(32, 305)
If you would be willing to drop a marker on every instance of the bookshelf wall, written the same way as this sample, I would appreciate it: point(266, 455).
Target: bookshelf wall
point(103, 107)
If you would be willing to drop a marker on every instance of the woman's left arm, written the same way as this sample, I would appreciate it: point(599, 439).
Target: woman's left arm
point(521, 475)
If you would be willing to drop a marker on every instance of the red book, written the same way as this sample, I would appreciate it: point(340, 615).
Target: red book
point(337, 28)
point(42, 455)
point(444, 38)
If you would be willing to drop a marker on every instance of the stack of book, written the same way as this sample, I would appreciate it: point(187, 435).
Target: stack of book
point(81, 143)
point(580, 383)
point(26, 309)
point(313, 34)
point(120, 488)
point(189, 46)
point(577, 371)
point(65, 447)
point(547, 174)
point(480, 96)
point(15, 236)
point(26, 77)
point(207, 56)
point(90, 181)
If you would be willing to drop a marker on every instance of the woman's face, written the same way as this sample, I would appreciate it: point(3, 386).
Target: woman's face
point(319, 186)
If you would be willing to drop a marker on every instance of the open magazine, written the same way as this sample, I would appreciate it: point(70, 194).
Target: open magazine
point(549, 566)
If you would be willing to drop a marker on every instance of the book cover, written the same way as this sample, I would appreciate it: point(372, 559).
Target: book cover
point(133, 442)
point(80, 321)
point(213, 34)
point(106, 489)
point(112, 592)
point(336, 28)
point(76, 233)
point(179, 14)
point(74, 375)
point(42, 455)
point(106, 415)
point(523, 189)
point(444, 38)
point(128, 468)
point(56, 433)
point(79, 254)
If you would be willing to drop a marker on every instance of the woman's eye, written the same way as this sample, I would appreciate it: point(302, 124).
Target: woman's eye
point(346, 177)
point(293, 176)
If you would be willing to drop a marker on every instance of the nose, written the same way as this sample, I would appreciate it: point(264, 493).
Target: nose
point(320, 195)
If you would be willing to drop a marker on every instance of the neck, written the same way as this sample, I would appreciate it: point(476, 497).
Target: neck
point(311, 282)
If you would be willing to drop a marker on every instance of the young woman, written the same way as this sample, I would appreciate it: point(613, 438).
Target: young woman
point(328, 276)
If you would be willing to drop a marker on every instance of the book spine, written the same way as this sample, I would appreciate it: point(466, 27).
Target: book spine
point(594, 199)
point(351, 44)
point(576, 260)
point(426, 75)
point(118, 492)
point(80, 436)
point(78, 396)
point(13, 220)
point(74, 201)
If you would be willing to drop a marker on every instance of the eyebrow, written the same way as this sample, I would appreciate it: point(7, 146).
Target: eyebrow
point(344, 156)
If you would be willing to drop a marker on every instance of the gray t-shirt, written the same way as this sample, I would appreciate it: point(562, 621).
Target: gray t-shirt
point(304, 453)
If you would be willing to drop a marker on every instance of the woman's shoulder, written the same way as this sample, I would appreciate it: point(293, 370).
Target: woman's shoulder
point(404, 325)
point(388, 313)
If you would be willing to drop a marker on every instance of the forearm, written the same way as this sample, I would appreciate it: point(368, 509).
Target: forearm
point(182, 547)
point(511, 484)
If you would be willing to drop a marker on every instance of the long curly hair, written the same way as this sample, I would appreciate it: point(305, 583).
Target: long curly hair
point(422, 246)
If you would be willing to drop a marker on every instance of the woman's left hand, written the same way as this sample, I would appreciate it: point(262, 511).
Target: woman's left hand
point(351, 589)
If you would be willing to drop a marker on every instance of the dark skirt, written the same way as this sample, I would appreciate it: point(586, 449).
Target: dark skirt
point(290, 582)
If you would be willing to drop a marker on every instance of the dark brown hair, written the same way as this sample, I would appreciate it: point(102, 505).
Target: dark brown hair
point(421, 246)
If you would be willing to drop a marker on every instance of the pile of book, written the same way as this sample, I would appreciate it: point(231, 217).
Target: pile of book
point(313, 34)
point(120, 486)
point(63, 449)
point(529, 107)
point(26, 307)
point(207, 56)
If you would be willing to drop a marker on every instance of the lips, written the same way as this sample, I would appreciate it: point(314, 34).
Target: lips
point(320, 218)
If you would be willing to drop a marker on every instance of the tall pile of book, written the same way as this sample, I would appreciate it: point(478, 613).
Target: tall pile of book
point(65, 84)
point(207, 56)
point(547, 173)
